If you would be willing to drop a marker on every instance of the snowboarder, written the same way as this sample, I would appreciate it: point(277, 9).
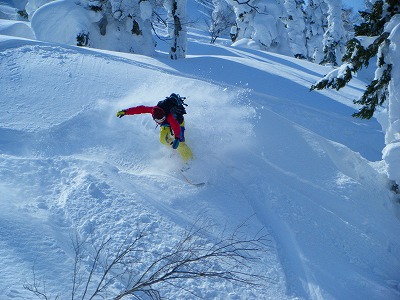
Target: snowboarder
point(168, 114)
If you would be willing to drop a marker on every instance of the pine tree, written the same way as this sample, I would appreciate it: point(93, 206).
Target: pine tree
point(261, 21)
point(335, 35)
point(296, 27)
point(371, 40)
point(316, 17)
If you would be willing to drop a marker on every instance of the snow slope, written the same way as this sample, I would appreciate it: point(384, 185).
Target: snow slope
point(293, 162)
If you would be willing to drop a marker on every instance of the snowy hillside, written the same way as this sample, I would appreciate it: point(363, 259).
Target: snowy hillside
point(292, 162)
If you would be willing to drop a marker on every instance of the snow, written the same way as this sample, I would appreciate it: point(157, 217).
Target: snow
point(64, 21)
point(287, 160)
point(145, 10)
point(46, 22)
point(33, 5)
point(391, 152)
point(16, 28)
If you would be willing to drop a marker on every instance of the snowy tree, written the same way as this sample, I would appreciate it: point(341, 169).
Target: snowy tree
point(349, 19)
point(119, 25)
point(296, 27)
point(316, 24)
point(243, 14)
point(260, 21)
point(222, 18)
point(391, 152)
point(123, 25)
point(177, 27)
point(335, 36)
point(377, 36)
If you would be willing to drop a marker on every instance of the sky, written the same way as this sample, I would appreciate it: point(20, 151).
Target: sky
point(274, 157)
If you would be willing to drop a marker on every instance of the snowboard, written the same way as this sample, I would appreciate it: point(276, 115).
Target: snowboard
point(189, 180)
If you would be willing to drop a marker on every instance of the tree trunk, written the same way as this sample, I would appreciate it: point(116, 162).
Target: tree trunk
point(178, 32)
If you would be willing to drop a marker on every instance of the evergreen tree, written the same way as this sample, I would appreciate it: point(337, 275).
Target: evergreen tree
point(316, 16)
point(391, 152)
point(296, 27)
point(335, 36)
point(371, 40)
point(349, 19)
point(378, 36)
point(261, 21)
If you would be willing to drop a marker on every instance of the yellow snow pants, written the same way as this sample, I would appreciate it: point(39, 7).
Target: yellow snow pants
point(167, 138)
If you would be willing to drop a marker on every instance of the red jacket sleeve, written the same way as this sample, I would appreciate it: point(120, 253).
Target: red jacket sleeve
point(176, 128)
point(139, 110)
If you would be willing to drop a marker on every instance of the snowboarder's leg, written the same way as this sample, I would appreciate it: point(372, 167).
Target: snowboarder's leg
point(185, 152)
point(165, 136)
point(184, 149)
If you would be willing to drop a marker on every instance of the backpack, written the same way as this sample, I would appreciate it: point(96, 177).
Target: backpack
point(174, 104)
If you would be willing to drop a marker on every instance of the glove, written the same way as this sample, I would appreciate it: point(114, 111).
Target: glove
point(175, 143)
point(121, 113)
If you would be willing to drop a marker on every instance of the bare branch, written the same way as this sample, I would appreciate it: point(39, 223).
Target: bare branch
point(200, 253)
point(194, 257)
point(38, 287)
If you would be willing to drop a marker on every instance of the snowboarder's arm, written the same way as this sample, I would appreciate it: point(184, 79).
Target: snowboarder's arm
point(176, 128)
point(139, 110)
